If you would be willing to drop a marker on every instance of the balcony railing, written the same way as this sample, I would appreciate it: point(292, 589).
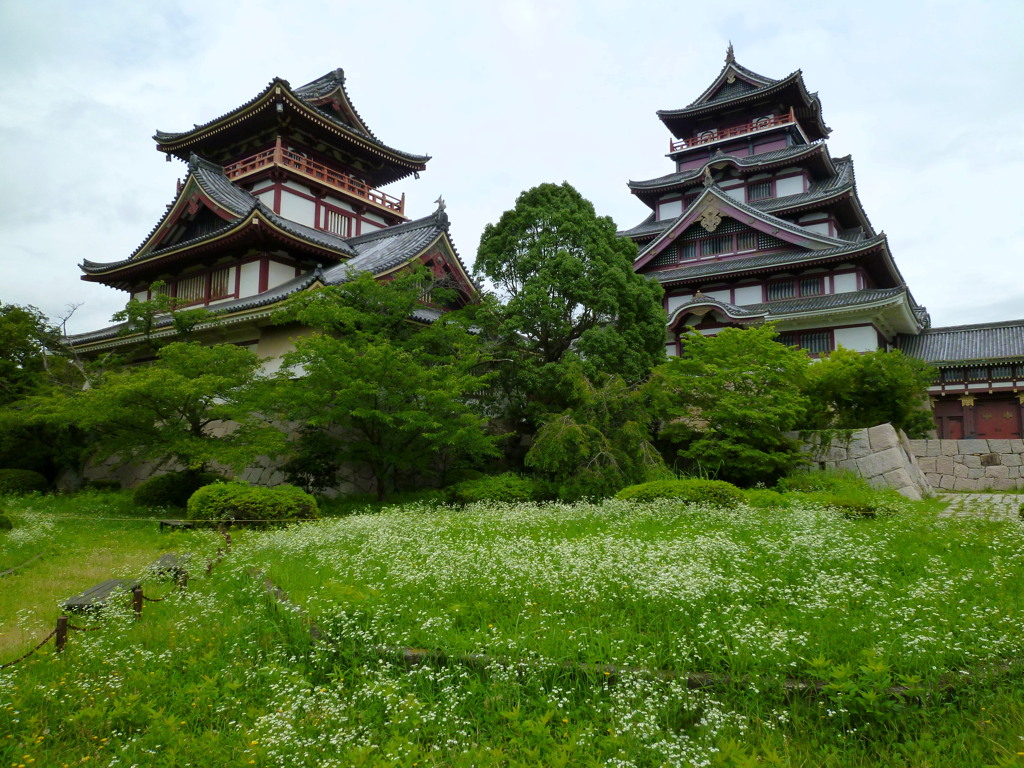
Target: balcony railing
point(317, 171)
point(719, 134)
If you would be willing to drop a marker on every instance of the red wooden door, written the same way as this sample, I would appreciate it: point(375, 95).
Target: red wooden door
point(999, 419)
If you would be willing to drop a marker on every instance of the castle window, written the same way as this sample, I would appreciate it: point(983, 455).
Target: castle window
point(746, 241)
point(688, 251)
point(811, 286)
point(219, 284)
point(191, 289)
point(338, 223)
point(953, 374)
point(785, 290)
point(713, 246)
point(977, 374)
point(759, 190)
point(815, 342)
point(1002, 372)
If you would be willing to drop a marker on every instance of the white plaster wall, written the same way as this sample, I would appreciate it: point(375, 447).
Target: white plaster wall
point(249, 284)
point(279, 273)
point(141, 296)
point(670, 209)
point(845, 283)
point(674, 302)
point(338, 203)
point(821, 227)
point(792, 185)
point(375, 219)
point(736, 193)
point(749, 294)
point(861, 338)
point(722, 295)
point(298, 209)
point(670, 350)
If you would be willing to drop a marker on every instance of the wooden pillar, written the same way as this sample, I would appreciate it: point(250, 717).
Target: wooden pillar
point(967, 401)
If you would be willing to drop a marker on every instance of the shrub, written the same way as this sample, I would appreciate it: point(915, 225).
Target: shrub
point(21, 481)
point(231, 502)
point(765, 498)
point(6, 523)
point(103, 485)
point(173, 489)
point(508, 487)
point(715, 492)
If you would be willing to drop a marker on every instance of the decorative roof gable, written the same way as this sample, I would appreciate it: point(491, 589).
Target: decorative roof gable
point(714, 205)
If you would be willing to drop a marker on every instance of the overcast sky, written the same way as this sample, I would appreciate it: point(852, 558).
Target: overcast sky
point(505, 95)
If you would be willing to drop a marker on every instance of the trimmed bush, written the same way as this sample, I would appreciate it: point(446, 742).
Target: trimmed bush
point(6, 523)
point(691, 490)
point(828, 481)
point(173, 489)
point(239, 502)
point(509, 488)
point(21, 481)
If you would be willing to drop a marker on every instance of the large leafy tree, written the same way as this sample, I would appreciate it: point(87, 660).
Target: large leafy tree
point(194, 405)
point(382, 390)
point(569, 289)
point(851, 390)
point(29, 343)
point(727, 404)
point(601, 442)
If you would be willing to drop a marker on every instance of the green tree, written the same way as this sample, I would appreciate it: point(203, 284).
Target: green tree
point(141, 317)
point(28, 342)
point(194, 405)
point(728, 402)
point(387, 392)
point(601, 442)
point(852, 390)
point(569, 287)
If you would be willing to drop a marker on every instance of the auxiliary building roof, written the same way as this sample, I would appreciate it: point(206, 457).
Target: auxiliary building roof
point(1002, 341)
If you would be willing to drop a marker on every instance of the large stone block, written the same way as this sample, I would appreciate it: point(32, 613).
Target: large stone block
point(999, 446)
point(977, 446)
point(984, 483)
point(1001, 484)
point(919, 447)
point(859, 445)
point(934, 479)
point(949, 447)
point(1017, 446)
point(850, 465)
point(927, 463)
point(959, 470)
point(882, 437)
point(975, 472)
point(990, 459)
point(944, 465)
point(898, 478)
point(879, 463)
point(1011, 459)
point(948, 482)
point(971, 460)
point(964, 484)
point(934, 448)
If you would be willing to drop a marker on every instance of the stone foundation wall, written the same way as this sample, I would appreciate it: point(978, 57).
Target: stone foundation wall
point(881, 455)
point(972, 465)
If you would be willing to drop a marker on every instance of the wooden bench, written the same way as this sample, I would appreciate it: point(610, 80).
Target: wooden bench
point(176, 525)
point(169, 565)
point(99, 596)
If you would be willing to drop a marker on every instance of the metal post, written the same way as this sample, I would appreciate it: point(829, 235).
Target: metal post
point(227, 540)
point(137, 602)
point(61, 638)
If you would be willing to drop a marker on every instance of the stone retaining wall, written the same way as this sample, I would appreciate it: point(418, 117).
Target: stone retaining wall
point(971, 465)
point(880, 454)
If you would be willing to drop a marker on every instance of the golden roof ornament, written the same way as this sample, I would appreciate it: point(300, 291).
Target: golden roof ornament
point(709, 180)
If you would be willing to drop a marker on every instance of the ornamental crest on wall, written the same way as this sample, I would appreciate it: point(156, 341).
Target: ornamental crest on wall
point(710, 219)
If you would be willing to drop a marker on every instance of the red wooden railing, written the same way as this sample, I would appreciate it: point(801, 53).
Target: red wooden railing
point(314, 170)
point(717, 134)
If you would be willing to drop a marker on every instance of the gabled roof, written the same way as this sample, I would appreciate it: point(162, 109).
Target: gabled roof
point(245, 217)
point(968, 343)
point(738, 86)
point(321, 107)
point(714, 200)
point(377, 253)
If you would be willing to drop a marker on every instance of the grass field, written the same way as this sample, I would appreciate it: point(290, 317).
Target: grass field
point(585, 620)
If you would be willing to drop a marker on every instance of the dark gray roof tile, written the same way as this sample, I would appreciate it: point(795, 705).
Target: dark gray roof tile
point(967, 343)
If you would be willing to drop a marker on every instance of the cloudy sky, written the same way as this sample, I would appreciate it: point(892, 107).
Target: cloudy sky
point(508, 94)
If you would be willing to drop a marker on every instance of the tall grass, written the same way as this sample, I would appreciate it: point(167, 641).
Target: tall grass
point(900, 604)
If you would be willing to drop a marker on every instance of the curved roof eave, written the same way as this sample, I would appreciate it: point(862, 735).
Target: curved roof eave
point(280, 91)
